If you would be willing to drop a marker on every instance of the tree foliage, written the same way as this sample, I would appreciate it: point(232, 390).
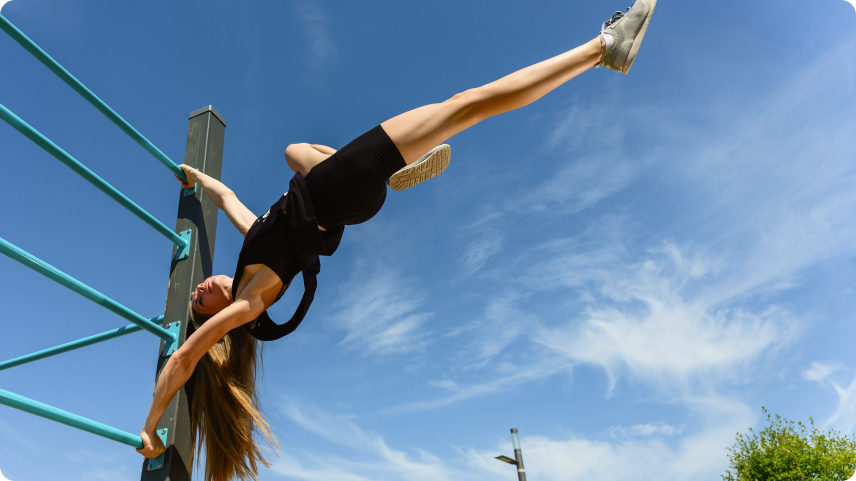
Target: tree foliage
point(784, 451)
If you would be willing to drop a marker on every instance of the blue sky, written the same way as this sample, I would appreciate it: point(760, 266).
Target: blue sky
point(626, 271)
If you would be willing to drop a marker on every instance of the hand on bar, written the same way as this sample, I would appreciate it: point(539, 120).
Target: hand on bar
point(189, 172)
point(152, 444)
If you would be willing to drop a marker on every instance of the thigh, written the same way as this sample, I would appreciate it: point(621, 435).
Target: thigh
point(419, 130)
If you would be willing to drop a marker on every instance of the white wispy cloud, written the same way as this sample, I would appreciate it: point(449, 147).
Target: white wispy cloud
point(819, 371)
point(355, 454)
point(486, 245)
point(645, 430)
point(582, 184)
point(590, 140)
point(645, 325)
point(381, 311)
point(697, 455)
point(367, 455)
point(322, 50)
point(505, 376)
point(844, 415)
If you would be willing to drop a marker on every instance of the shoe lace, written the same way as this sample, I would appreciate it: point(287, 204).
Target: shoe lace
point(615, 17)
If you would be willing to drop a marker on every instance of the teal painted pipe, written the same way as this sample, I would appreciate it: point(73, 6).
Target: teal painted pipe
point(90, 97)
point(90, 176)
point(58, 276)
point(49, 412)
point(71, 346)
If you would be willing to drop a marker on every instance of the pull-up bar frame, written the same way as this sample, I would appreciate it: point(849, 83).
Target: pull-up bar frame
point(71, 346)
point(204, 151)
point(90, 176)
point(64, 279)
point(87, 94)
point(54, 414)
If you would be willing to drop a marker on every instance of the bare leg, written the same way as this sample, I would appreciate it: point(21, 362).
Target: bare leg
point(419, 130)
point(302, 157)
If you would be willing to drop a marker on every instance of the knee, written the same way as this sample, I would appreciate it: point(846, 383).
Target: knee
point(292, 155)
point(292, 152)
point(467, 97)
point(470, 105)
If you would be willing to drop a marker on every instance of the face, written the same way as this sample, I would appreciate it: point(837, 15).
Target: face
point(212, 295)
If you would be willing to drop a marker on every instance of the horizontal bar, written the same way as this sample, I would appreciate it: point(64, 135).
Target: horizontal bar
point(90, 97)
point(49, 412)
point(87, 174)
point(71, 346)
point(58, 276)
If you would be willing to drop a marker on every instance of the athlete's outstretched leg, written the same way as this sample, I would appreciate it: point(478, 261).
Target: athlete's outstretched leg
point(417, 131)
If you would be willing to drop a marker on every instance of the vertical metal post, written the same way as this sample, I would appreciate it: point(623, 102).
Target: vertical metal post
point(518, 455)
point(204, 152)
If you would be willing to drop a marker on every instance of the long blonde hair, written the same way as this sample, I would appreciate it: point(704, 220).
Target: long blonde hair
point(225, 412)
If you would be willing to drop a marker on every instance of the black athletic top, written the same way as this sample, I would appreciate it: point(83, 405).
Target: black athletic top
point(347, 188)
point(287, 244)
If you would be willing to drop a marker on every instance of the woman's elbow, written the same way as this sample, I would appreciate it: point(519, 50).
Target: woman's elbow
point(183, 362)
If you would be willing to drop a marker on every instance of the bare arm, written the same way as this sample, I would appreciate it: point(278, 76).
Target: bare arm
point(259, 292)
point(181, 364)
point(223, 198)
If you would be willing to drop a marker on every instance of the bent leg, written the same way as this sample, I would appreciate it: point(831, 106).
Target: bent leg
point(302, 157)
point(417, 131)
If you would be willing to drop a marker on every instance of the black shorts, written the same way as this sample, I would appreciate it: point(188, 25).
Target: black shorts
point(349, 187)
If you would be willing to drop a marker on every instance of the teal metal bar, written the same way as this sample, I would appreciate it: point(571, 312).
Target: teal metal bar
point(49, 412)
point(56, 275)
point(90, 97)
point(87, 174)
point(71, 346)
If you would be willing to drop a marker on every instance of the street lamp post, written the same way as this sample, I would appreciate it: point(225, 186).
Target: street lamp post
point(518, 456)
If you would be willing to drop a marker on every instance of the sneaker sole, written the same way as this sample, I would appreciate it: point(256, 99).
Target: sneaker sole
point(427, 167)
point(637, 42)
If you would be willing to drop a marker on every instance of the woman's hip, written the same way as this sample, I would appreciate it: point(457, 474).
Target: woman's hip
point(349, 187)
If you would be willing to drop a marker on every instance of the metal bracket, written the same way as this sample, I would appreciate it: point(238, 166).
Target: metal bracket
point(157, 463)
point(182, 252)
point(170, 347)
point(189, 192)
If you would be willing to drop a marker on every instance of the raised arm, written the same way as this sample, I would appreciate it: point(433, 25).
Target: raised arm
point(259, 293)
point(223, 198)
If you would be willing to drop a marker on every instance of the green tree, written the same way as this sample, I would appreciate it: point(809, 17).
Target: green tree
point(784, 451)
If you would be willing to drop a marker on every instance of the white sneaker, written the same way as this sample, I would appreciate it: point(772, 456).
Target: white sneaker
point(628, 30)
point(428, 166)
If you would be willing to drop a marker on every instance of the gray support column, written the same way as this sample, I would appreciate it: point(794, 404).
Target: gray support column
point(204, 152)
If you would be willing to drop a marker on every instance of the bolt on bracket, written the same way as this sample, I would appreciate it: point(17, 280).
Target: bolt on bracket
point(182, 252)
point(169, 347)
point(157, 463)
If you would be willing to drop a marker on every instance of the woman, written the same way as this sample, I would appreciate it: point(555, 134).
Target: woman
point(330, 189)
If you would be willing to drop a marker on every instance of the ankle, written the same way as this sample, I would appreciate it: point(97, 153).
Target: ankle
point(606, 41)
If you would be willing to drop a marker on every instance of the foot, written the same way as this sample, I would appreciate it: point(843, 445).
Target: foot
point(428, 166)
point(627, 31)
